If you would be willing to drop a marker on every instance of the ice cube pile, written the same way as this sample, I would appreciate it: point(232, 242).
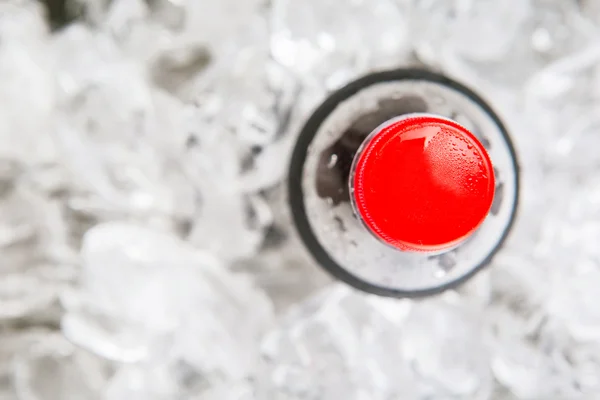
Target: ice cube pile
point(146, 251)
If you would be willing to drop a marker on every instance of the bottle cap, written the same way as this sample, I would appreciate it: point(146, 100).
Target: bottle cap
point(422, 183)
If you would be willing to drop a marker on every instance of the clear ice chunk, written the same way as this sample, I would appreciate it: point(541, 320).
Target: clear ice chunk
point(112, 127)
point(574, 290)
point(337, 345)
point(145, 294)
point(328, 42)
point(54, 369)
point(139, 383)
point(443, 343)
point(534, 31)
point(166, 382)
point(234, 150)
point(14, 342)
point(27, 90)
point(452, 24)
point(22, 295)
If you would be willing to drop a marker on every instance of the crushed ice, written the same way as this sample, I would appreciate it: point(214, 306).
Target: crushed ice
point(146, 252)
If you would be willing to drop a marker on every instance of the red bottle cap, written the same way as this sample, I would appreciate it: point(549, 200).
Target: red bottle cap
point(423, 183)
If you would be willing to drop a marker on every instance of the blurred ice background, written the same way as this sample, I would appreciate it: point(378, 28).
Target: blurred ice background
point(146, 251)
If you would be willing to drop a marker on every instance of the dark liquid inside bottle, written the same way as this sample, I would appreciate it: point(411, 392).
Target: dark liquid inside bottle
point(335, 161)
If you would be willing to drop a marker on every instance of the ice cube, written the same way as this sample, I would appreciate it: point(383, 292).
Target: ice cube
point(146, 294)
point(54, 369)
point(320, 42)
point(442, 340)
point(337, 345)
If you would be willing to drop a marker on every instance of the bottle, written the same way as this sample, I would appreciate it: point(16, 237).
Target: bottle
point(403, 183)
